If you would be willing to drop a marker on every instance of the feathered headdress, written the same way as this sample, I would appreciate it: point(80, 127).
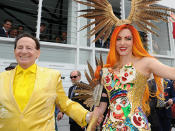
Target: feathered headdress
point(88, 92)
point(142, 11)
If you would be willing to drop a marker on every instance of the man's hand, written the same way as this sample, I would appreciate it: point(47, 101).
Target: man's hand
point(172, 19)
point(60, 115)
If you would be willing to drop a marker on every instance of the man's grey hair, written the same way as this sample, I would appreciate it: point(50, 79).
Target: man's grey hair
point(78, 72)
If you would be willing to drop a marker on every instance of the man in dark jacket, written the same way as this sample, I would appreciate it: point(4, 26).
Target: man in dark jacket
point(11, 66)
point(165, 114)
point(4, 30)
point(75, 76)
point(161, 115)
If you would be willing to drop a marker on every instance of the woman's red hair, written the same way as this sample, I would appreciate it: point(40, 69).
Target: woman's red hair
point(138, 51)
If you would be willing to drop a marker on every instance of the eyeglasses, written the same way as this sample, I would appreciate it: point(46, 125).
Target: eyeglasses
point(73, 77)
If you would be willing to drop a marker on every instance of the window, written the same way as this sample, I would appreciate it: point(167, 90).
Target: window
point(24, 14)
point(161, 44)
point(53, 25)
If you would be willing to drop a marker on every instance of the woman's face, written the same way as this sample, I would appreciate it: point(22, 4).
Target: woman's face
point(26, 52)
point(124, 42)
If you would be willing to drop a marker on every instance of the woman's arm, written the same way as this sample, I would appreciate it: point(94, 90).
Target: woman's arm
point(161, 70)
point(97, 112)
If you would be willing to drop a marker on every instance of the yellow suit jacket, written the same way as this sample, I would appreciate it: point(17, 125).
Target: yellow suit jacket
point(38, 115)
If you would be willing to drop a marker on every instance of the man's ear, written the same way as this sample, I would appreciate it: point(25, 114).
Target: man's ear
point(38, 53)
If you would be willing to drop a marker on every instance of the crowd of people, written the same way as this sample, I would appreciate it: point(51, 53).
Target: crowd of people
point(6, 30)
point(10, 30)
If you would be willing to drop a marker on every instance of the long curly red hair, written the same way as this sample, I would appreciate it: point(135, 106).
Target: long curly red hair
point(138, 51)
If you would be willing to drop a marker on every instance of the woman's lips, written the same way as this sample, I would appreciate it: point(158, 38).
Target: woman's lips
point(123, 49)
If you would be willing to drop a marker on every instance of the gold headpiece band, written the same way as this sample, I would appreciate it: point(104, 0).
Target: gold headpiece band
point(141, 12)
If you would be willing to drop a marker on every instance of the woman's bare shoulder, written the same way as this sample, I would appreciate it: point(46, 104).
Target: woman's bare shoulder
point(147, 60)
point(144, 64)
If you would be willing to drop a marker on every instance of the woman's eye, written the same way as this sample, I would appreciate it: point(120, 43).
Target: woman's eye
point(118, 39)
point(129, 38)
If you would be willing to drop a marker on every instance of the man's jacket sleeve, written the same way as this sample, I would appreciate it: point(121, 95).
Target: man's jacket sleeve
point(73, 109)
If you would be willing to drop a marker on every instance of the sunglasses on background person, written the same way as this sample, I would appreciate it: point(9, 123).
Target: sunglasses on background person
point(73, 77)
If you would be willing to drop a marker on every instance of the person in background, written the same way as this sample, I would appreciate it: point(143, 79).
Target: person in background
point(173, 109)
point(13, 33)
point(75, 76)
point(172, 19)
point(43, 35)
point(161, 115)
point(101, 44)
point(20, 29)
point(4, 30)
point(144, 39)
point(64, 37)
point(153, 116)
point(30, 93)
point(58, 39)
point(11, 66)
point(164, 113)
point(58, 116)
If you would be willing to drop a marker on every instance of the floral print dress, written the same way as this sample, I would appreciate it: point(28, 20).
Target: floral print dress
point(125, 92)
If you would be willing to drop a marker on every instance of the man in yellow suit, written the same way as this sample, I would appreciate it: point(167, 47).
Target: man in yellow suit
point(29, 93)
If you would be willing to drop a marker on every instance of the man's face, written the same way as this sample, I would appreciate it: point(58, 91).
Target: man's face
point(20, 29)
point(64, 35)
point(14, 33)
point(74, 77)
point(42, 28)
point(26, 52)
point(7, 25)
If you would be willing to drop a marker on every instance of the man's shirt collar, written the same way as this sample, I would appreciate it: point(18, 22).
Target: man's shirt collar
point(32, 69)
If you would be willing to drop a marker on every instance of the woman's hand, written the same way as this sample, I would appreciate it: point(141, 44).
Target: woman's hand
point(97, 112)
point(95, 117)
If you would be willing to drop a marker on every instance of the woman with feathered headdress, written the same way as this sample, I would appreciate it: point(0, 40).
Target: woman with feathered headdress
point(129, 65)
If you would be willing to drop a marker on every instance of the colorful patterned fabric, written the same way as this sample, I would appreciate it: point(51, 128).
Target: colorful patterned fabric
point(125, 91)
